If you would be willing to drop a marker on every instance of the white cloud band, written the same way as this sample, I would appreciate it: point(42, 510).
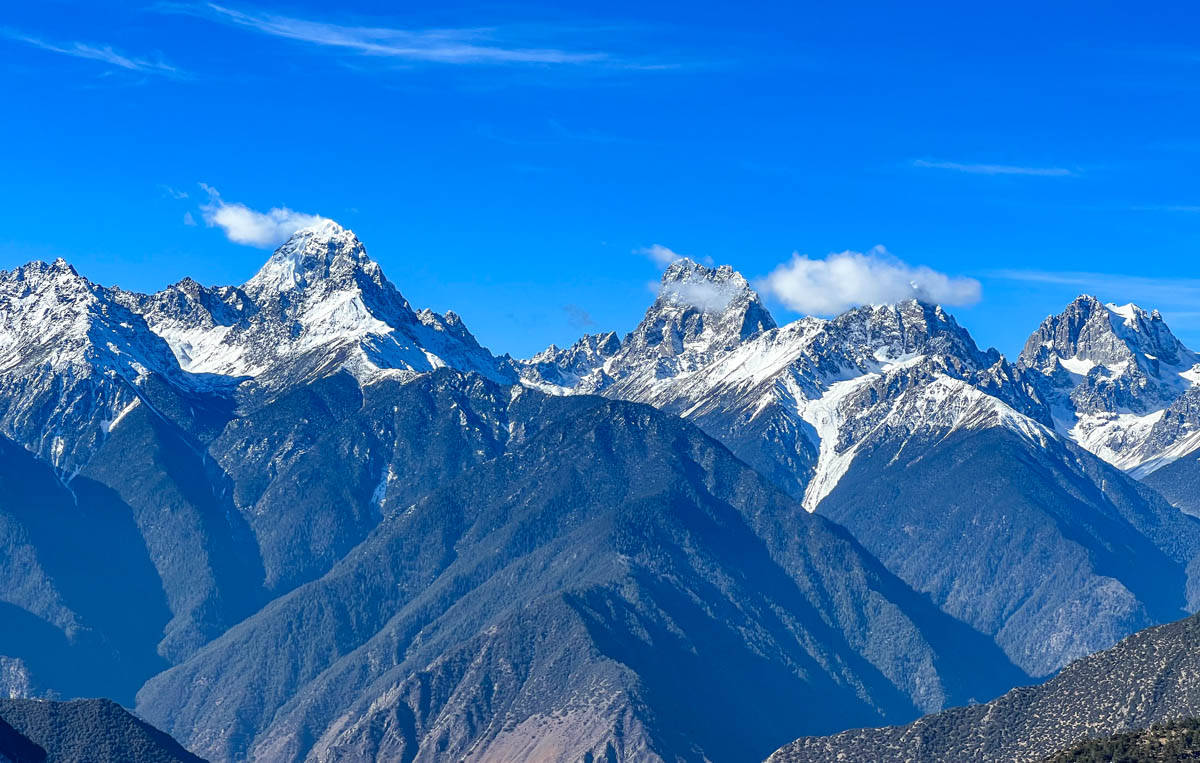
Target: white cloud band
point(444, 46)
point(847, 279)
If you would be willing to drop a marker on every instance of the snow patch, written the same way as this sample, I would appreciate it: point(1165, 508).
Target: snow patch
point(107, 425)
point(826, 418)
point(1077, 366)
point(380, 492)
point(940, 407)
point(1126, 312)
point(1179, 449)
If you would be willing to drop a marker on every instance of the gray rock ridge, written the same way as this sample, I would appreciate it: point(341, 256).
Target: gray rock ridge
point(1147, 678)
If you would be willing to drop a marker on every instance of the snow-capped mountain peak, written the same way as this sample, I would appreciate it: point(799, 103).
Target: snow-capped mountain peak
point(710, 290)
point(700, 314)
point(52, 317)
point(1147, 334)
point(716, 300)
point(318, 305)
point(559, 370)
point(72, 356)
point(1119, 337)
point(900, 330)
point(319, 255)
point(1112, 373)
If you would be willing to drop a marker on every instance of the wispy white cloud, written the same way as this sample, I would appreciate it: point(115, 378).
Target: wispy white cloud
point(444, 46)
point(993, 169)
point(661, 255)
point(704, 295)
point(845, 279)
point(92, 52)
point(1150, 292)
point(173, 193)
point(188, 219)
point(243, 225)
point(1184, 208)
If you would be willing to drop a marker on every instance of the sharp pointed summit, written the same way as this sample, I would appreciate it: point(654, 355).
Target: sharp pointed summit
point(700, 314)
point(717, 301)
point(1120, 338)
point(321, 253)
point(318, 305)
point(1119, 382)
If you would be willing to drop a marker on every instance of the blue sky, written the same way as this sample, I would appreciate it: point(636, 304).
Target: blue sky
point(515, 162)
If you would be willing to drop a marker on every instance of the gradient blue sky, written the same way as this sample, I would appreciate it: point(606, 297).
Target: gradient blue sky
point(510, 160)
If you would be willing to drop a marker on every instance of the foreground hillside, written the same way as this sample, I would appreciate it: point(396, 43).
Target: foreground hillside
point(1148, 678)
point(1163, 742)
point(82, 731)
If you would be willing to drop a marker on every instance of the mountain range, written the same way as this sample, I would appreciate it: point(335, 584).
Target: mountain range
point(297, 519)
point(873, 417)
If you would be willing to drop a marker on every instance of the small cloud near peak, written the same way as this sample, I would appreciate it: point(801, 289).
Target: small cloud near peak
point(663, 256)
point(243, 225)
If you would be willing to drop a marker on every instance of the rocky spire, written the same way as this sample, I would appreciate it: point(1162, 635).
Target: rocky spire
point(323, 255)
point(699, 311)
point(1099, 334)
